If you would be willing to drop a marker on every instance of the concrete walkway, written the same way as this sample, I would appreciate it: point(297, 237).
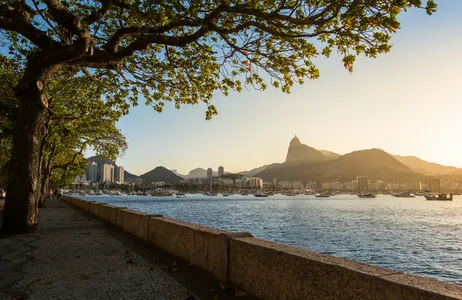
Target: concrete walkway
point(72, 256)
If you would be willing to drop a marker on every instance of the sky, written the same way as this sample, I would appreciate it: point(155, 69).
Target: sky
point(407, 102)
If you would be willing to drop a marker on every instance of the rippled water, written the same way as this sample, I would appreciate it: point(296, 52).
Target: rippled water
point(409, 235)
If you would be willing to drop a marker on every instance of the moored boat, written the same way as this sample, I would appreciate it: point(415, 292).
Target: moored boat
point(439, 197)
point(404, 195)
point(261, 195)
point(323, 195)
point(366, 195)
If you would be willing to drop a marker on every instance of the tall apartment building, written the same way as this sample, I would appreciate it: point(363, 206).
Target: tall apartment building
point(209, 173)
point(119, 175)
point(92, 172)
point(363, 183)
point(434, 184)
point(255, 182)
point(107, 173)
point(221, 171)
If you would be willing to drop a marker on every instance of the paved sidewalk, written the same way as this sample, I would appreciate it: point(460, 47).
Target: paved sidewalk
point(73, 256)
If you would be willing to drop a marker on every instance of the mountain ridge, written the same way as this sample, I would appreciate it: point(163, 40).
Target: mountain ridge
point(160, 173)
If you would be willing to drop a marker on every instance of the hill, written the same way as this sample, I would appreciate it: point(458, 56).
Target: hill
point(160, 174)
point(330, 154)
point(128, 175)
point(425, 167)
point(198, 173)
point(375, 163)
point(457, 172)
point(178, 174)
point(253, 172)
point(299, 153)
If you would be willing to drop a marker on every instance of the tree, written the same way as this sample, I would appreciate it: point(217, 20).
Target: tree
point(77, 118)
point(180, 51)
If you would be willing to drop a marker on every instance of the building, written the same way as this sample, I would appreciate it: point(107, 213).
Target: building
point(297, 185)
point(285, 184)
point(119, 175)
point(209, 173)
point(107, 173)
point(363, 183)
point(275, 182)
point(255, 183)
point(221, 171)
point(434, 184)
point(92, 172)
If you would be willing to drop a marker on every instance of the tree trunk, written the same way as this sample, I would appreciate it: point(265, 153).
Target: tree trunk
point(20, 211)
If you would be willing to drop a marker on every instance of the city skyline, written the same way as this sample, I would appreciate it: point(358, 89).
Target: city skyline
point(391, 102)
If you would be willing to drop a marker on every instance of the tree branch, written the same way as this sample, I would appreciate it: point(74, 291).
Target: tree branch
point(16, 17)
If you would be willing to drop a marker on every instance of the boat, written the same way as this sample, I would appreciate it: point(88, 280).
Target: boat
point(180, 195)
point(366, 195)
point(261, 195)
point(244, 194)
point(161, 194)
point(323, 195)
point(210, 194)
point(226, 194)
point(270, 193)
point(404, 195)
point(439, 197)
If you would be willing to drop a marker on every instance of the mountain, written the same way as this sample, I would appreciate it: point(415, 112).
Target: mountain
point(160, 174)
point(299, 153)
point(128, 175)
point(457, 172)
point(253, 172)
point(374, 163)
point(197, 173)
point(178, 174)
point(425, 167)
point(329, 154)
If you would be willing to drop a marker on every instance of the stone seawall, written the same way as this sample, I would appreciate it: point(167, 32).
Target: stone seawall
point(270, 270)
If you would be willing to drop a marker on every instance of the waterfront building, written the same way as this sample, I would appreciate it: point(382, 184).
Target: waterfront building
point(255, 182)
point(119, 175)
point(434, 184)
point(374, 186)
point(325, 185)
point(107, 173)
point(311, 185)
point(337, 186)
point(209, 173)
point(363, 183)
point(221, 171)
point(285, 184)
point(92, 172)
point(275, 182)
point(297, 185)
point(351, 186)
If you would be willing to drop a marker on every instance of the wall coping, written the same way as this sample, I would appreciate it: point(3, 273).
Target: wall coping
point(429, 285)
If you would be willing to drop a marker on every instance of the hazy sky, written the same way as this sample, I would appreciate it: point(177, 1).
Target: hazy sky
point(407, 102)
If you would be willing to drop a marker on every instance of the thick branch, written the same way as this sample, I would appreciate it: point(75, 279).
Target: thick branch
point(65, 18)
point(17, 17)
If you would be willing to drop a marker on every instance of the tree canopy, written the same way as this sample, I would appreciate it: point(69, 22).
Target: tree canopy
point(185, 50)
